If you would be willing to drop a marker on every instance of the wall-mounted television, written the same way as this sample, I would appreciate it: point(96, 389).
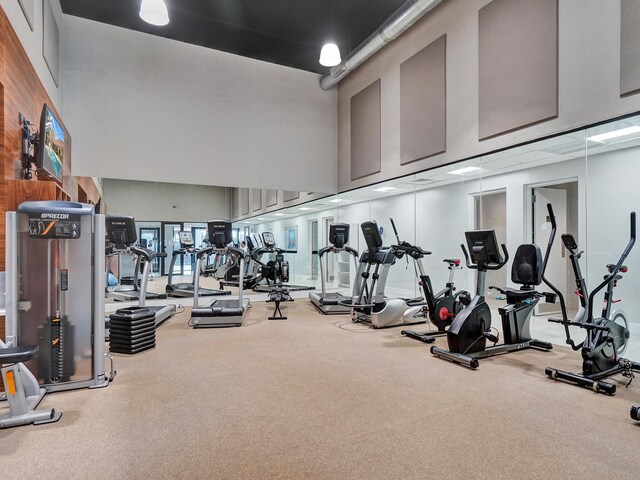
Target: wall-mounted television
point(51, 150)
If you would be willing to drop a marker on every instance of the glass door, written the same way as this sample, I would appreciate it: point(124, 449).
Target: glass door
point(150, 239)
point(170, 242)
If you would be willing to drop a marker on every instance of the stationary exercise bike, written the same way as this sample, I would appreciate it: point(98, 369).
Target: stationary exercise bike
point(608, 335)
point(442, 307)
point(471, 329)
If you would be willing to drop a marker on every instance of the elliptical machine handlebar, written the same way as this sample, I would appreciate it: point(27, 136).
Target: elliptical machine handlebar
point(614, 272)
point(486, 266)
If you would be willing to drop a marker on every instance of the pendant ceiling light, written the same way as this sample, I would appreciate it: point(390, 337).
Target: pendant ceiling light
point(330, 55)
point(154, 12)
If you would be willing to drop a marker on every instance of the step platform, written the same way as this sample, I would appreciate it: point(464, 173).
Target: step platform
point(132, 330)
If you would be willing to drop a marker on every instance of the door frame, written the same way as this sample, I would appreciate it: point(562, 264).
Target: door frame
point(163, 269)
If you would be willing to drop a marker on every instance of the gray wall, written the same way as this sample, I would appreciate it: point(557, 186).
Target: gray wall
point(143, 107)
point(32, 43)
point(151, 201)
point(588, 83)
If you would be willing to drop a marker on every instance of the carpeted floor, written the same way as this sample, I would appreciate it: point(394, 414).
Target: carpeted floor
point(317, 397)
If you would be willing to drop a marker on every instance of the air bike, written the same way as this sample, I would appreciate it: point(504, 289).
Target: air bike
point(607, 336)
point(468, 334)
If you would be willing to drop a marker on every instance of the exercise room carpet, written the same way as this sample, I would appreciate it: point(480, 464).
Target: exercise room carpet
point(317, 397)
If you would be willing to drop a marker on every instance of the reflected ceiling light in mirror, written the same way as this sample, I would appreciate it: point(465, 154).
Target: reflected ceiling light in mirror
point(466, 171)
point(154, 12)
point(385, 189)
point(260, 218)
point(278, 214)
point(336, 200)
point(622, 132)
point(304, 208)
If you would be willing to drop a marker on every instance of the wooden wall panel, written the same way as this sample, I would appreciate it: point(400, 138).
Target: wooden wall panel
point(22, 92)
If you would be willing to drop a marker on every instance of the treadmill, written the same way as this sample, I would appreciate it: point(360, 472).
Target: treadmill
point(121, 232)
point(122, 243)
point(186, 289)
point(274, 272)
point(329, 302)
point(222, 312)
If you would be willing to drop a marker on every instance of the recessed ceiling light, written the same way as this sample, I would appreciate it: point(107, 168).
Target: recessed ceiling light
point(336, 200)
point(385, 189)
point(154, 12)
point(603, 137)
point(260, 218)
point(278, 214)
point(465, 171)
point(304, 208)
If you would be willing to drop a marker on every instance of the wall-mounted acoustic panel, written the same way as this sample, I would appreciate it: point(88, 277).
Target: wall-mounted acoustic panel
point(423, 106)
point(518, 65)
point(287, 196)
point(29, 9)
point(629, 47)
point(244, 201)
point(51, 41)
point(272, 198)
point(256, 199)
point(235, 202)
point(365, 132)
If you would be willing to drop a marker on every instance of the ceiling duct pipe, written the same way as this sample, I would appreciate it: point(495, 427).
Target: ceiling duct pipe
point(392, 28)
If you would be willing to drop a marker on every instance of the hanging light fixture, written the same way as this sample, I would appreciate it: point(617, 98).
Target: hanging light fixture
point(330, 55)
point(154, 12)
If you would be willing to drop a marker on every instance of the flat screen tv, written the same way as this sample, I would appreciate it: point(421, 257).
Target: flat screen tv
point(51, 151)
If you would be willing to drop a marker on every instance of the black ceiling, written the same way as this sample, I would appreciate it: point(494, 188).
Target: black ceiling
point(286, 32)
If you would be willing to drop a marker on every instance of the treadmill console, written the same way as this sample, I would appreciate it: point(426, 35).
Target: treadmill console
point(186, 240)
point(121, 231)
point(339, 234)
point(372, 236)
point(268, 239)
point(220, 233)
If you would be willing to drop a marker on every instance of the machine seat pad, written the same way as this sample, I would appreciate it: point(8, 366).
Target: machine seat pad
point(519, 294)
point(215, 311)
point(17, 354)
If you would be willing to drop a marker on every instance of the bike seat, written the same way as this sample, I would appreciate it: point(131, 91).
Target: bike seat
point(611, 267)
point(17, 354)
point(515, 293)
point(452, 261)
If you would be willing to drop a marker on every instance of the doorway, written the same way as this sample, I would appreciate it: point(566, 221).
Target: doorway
point(491, 214)
point(564, 198)
point(171, 242)
point(314, 247)
point(150, 239)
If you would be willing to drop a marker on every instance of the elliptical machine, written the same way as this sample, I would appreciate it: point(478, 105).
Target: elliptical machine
point(368, 302)
point(608, 335)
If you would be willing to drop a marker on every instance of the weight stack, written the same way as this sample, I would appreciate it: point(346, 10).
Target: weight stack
point(133, 330)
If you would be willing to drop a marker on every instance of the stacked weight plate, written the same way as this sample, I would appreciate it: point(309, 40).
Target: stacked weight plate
point(133, 330)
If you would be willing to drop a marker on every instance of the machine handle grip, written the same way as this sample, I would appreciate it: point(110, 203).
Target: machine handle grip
point(503, 262)
point(466, 257)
